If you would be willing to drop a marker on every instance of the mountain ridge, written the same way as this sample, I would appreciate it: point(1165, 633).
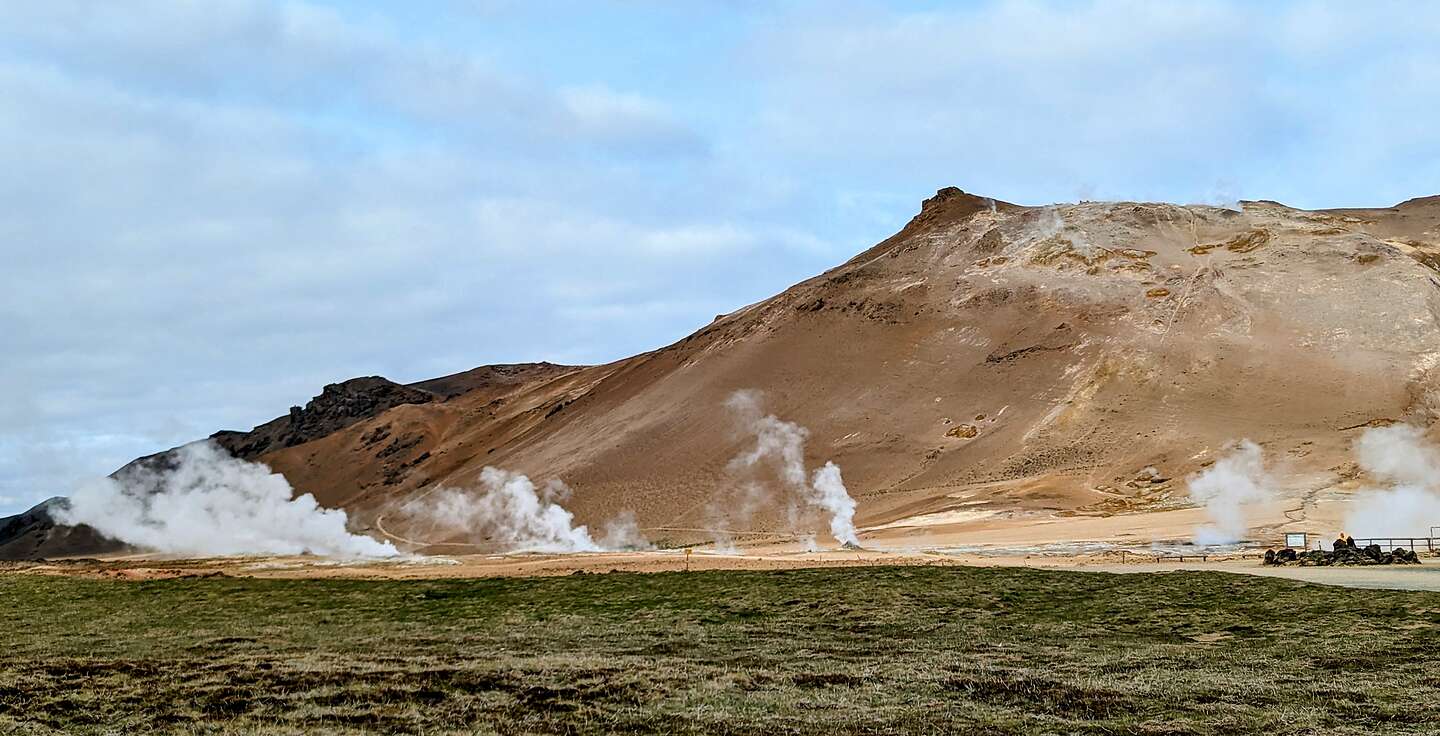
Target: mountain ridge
point(1022, 362)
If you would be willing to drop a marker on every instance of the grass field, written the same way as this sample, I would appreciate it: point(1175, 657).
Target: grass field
point(876, 650)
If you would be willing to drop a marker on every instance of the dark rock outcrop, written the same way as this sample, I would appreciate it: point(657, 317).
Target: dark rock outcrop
point(34, 535)
point(338, 406)
point(1344, 552)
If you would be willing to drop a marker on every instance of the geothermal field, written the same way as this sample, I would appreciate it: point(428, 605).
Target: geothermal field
point(1078, 468)
point(1052, 381)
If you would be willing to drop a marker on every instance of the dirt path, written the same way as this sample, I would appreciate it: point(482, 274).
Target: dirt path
point(414, 543)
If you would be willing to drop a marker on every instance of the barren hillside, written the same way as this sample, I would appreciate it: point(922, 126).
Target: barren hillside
point(989, 361)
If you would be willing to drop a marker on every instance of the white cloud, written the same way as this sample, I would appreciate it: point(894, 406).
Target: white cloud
point(1034, 101)
point(625, 119)
point(310, 60)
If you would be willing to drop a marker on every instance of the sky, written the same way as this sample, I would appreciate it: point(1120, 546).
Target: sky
point(213, 208)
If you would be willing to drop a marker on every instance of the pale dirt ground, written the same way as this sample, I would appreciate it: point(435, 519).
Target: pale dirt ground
point(1120, 543)
point(1128, 543)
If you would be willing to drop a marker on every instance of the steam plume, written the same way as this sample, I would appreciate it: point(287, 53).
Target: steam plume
point(734, 511)
point(622, 533)
point(781, 445)
point(513, 514)
point(1399, 456)
point(209, 503)
point(1224, 488)
point(833, 497)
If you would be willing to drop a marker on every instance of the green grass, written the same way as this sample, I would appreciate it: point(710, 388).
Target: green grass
point(874, 650)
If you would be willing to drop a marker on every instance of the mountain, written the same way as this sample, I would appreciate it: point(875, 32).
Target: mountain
point(1036, 364)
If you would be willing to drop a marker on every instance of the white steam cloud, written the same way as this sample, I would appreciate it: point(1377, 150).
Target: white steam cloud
point(512, 514)
point(1400, 456)
point(209, 503)
point(832, 496)
point(1052, 225)
point(623, 533)
point(781, 445)
point(733, 511)
point(1224, 488)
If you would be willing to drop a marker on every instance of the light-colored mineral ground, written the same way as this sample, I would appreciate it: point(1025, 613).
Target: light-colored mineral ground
point(1052, 553)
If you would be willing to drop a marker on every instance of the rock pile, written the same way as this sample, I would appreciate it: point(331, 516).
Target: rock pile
point(1343, 554)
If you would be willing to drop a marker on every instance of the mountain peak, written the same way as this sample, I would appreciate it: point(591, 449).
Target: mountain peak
point(952, 204)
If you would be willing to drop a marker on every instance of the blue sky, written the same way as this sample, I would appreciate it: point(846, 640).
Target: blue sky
point(214, 208)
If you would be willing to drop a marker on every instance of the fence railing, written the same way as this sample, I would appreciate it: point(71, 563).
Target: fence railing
point(1410, 543)
point(1127, 555)
point(1414, 544)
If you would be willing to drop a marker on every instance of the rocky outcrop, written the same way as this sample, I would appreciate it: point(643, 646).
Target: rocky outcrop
point(34, 535)
point(1342, 555)
point(338, 406)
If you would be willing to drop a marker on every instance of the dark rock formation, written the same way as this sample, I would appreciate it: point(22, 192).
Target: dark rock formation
point(34, 535)
point(338, 406)
point(1344, 552)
